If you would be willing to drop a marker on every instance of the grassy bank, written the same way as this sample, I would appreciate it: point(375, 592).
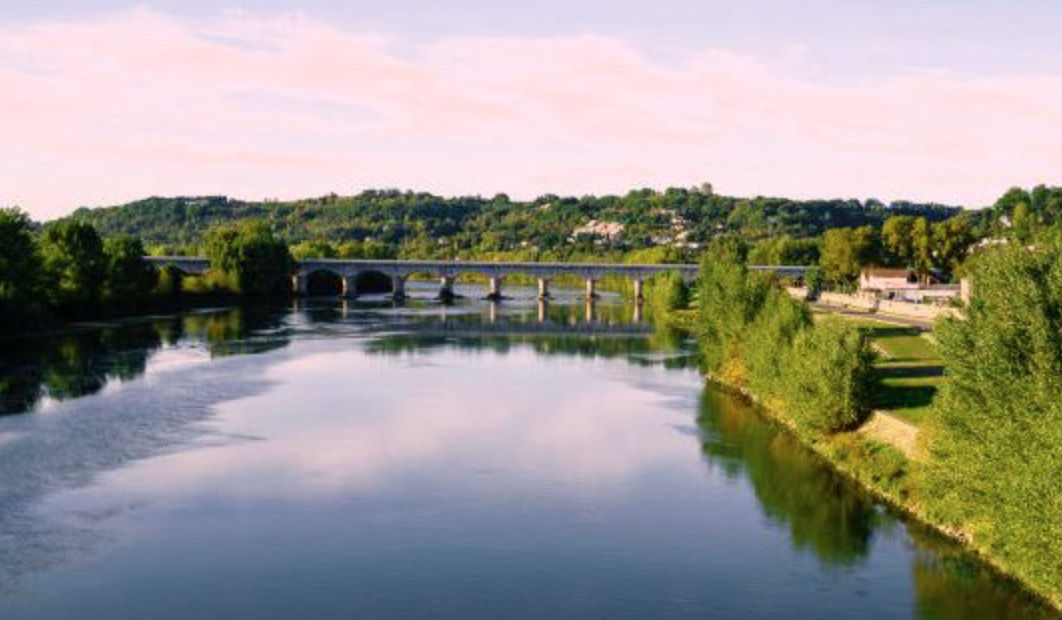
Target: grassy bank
point(908, 368)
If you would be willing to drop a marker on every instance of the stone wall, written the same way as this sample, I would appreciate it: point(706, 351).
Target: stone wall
point(916, 311)
point(903, 309)
point(868, 303)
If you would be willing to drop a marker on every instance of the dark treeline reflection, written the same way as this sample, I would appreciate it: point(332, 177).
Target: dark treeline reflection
point(793, 486)
point(828, 516)
point(73, 363)
point(78, 362)
point(664, 347)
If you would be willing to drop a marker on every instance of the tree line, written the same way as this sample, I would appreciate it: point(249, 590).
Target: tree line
point(65, 270)
point(422, 225)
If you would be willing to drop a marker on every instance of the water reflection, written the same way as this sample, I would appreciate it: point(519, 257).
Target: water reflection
point(77, 362)
point(827, 516)
point(538, 422)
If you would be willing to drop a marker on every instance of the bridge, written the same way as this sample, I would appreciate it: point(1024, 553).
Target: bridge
point(348, 270)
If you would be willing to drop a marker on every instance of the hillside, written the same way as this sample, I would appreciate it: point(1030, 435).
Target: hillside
point(684, 217)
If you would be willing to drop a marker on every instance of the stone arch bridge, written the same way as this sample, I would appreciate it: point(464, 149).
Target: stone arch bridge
point(399, 271)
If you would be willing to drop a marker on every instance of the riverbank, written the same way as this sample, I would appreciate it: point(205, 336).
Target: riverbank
point(888, 475)
point(825, 378)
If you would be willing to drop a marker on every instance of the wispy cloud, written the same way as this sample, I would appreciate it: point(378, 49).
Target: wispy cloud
point(142, 103)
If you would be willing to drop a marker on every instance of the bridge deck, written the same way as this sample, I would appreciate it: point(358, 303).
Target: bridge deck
point(444, 268)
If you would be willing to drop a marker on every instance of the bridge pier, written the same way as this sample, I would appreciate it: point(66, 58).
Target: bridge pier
point(300, 285)
point(398, 287)
point(350, 287)
point(543, 309)
point(591, 310)
point(637, 318)
point(543, 288)
point(637, 290)
point(591, 288)
point(495, 289)
point(446, 287)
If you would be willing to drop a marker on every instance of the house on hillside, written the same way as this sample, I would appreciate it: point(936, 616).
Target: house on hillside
point(877, 279)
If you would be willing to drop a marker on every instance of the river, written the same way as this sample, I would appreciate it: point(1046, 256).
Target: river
point(362, 460)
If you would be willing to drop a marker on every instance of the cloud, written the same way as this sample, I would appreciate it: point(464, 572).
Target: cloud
point(142, 103)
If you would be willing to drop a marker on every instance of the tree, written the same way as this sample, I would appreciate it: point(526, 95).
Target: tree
point(951, 240)
point(74, 265)
point(922, 246)
point(20, 268)
point(1022, 223)
point(258, 264)
point(314, 249)
point(994, 435)
point(898, 240)
point(130, 278)
point(844, 252)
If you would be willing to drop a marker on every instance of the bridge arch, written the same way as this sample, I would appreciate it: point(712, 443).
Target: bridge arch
point(323, 282)
point(368, 281)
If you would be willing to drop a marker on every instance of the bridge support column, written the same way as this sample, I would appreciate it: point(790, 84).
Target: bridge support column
point(591, 288)
point(637, 318)
point(495, 289)
point(446, 287)
point(543, 309)
point(543, 288)
point(350, 287)
point(590, 309)
point(398, 287)
point(300, 285)
point(637, 290)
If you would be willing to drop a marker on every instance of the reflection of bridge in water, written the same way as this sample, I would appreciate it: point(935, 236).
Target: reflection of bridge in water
point(446, 271)
point(495, 322)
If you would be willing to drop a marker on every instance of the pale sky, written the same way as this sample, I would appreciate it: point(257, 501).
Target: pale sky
point(105, 102)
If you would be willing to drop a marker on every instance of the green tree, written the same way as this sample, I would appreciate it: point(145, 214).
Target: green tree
point(130, 279)
point(1023, 223)
point(74, 265)
point(313, 249)
point(897, 238)
point(257, 263)
point(922, 246)
point(994, 436)
point(951, 240)
point(20, 268)
point(845, 251)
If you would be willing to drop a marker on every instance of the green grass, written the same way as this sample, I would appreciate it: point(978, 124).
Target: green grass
point(909, 369)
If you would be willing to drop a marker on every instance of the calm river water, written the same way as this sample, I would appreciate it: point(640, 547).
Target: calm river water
point(362, 460)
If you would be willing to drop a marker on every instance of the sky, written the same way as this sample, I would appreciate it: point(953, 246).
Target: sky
point(936, 100)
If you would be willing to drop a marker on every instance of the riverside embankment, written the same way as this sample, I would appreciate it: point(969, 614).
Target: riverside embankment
point(822, 380)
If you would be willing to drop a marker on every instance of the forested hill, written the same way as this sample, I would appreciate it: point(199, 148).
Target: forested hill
point(647, 217)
